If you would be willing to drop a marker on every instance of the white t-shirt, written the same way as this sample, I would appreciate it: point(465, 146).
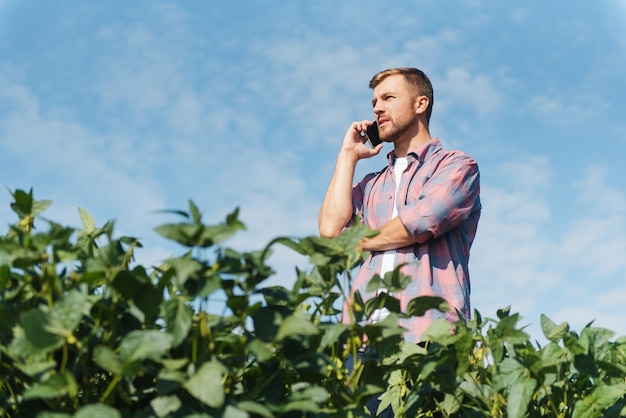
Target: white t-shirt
point(389, 258)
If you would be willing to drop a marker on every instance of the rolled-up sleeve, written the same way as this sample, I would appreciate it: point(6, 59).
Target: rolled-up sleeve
point(445, 200)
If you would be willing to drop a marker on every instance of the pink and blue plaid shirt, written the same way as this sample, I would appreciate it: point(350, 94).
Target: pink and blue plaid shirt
point(439, 204)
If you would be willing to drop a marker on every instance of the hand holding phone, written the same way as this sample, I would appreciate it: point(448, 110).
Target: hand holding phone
point(372, 135)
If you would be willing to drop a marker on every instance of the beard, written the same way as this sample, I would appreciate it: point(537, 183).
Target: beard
point(397, 129)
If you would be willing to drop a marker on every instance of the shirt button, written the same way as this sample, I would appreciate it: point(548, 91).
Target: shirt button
point(389, 197)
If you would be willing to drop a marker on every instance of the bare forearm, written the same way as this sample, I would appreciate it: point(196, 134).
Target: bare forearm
point(392, 235)
point(337, 205)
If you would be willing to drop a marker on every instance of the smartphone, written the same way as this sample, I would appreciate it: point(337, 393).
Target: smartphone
point(372, 135)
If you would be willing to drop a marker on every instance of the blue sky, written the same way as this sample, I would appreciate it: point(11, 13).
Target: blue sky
point(125, 108)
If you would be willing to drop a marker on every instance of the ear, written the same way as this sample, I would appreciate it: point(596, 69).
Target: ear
point(421, 104)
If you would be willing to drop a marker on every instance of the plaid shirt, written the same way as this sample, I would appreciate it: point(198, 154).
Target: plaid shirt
point(439, 204)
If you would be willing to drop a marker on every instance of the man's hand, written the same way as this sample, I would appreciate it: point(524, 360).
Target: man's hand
point(354, 142)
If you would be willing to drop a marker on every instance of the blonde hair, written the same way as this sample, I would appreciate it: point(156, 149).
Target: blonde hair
point(414, 77)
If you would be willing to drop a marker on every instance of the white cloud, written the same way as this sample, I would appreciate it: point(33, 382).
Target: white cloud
point(593, 190)
point(476, 92)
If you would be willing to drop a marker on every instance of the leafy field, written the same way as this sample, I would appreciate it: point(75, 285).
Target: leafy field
point(85, 332)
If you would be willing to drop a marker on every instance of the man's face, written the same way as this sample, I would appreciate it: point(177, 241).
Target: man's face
point(394, 106)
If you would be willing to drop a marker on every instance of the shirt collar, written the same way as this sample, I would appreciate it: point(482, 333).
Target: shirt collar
point(421, 153)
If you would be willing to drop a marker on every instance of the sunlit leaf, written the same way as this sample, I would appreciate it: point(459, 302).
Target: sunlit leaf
point(206, 384)
point(259, 350)
point(104, 357)
point(164, 406)
point(56, 386)
point(519, 396)
point(88, 223)
point(69, 310)
point(255, 408)
point(40, 206)
point(97, 411)
point(195, 212)
point(551, 330)
point(601, 398)
point(234, 412)
point(140, 345)
point(296, 325)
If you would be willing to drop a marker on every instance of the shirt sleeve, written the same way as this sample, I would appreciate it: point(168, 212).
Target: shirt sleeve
point(358, 200)
point(446, 200)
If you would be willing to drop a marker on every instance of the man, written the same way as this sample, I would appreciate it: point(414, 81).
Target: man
point(425, 203)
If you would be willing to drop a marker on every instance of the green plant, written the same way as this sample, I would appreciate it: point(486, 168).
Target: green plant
point(85, 332)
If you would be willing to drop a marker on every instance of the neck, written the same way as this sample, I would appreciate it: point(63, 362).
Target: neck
point(411, 142)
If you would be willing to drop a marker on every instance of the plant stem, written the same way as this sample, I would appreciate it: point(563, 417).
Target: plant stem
point(110, 388)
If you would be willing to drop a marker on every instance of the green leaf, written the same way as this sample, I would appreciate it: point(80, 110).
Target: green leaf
point(383, 300)
point(39, 206)
point(163, 406)
point(207, 384)
point(149, 302)
point(301, 406)
point(375, 283)
point(439, 329)
point(36, 325)
point(129, 283)
point(178, 319)
point(296, 325)
point(259, 350)
point(267, 320)
point(185, 268)
point(255, 408)
point(519, 397)
point(450, 404)
point(37, 368)
point(195, 213)
point(234, 412)
point(140, 345)
point(553, 354)
point(551, 330)
point(88, 223)
point(510, 372)
point(396, 281)
point(332, 333)
point(104, 357)
point(420, 305)
point(58, 385)
point(173, 364)
point(199, 235)
point(23, 203)
point(182, 233)
point(601, 398)
point(290, 243)
point(97, 410)
point(70, 310)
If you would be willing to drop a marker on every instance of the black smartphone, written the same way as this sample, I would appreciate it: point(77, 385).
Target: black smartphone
point(372, 135)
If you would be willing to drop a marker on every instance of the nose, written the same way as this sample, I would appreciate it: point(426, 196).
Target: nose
point(378, 108)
